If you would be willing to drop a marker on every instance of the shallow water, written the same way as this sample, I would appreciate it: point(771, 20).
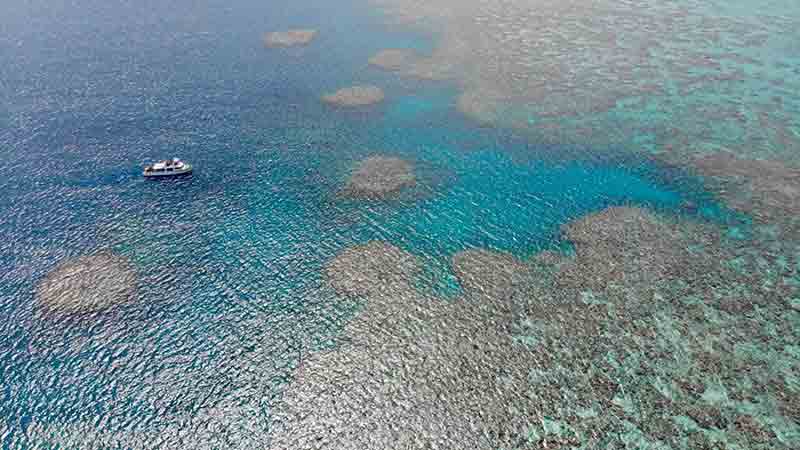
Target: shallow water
point(231, 294)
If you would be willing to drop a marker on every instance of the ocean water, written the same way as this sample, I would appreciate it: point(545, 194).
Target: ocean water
point(231, 292)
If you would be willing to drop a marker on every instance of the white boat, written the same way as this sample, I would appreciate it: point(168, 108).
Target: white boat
point(167, 168)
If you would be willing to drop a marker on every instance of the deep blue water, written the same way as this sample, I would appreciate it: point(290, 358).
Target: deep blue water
point(230, 258)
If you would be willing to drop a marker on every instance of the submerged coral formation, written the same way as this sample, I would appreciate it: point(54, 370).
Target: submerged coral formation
point(372, 268)
point(87, 284)
point(596, 72)
point(483, 106)
point(486, 271)
point(380, 177)
point(408, 62)
point(770, 190)
point(677, 343)
point(393, 58)
point(355, 96)
point(410, 371)
point(289, 38)
point(629, 246)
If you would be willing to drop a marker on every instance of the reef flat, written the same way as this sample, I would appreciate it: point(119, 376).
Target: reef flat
point(768, 190)
point(653, 333)
point(504, 291)
point(406, 377)
point(372, 268)
point(486, 271)
point(681, 77)
point(630, 246)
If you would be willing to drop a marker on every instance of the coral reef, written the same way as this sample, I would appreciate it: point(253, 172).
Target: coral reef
point(372, 268)
point(601, 69)
point(627, 245)
point(393, 58)
point(408, 62)
point(355, 96)
point(487, 272)
point(483, 106)
point(549, 258)
point(646, 308)
point(406, 374)
point(640, 351)
point(87, 284)
point(379, 177)
point(769, 190)
point(289, 38)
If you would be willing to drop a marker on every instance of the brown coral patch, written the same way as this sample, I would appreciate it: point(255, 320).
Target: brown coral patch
point(289, 38)
point(88, 284)
point(482, 106)
point(393, 58)
point(379, 177)
point(409, 63)
point(411, 370)
point(767, 189)
point(626, 245)
point(372, 268)
point(488, 272)
point(355, 96)
point(749, 426)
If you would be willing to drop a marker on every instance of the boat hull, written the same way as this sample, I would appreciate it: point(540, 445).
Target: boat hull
point(174, 173)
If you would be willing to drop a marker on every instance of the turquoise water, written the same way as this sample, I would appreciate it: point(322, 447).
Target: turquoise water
point(231, 294)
